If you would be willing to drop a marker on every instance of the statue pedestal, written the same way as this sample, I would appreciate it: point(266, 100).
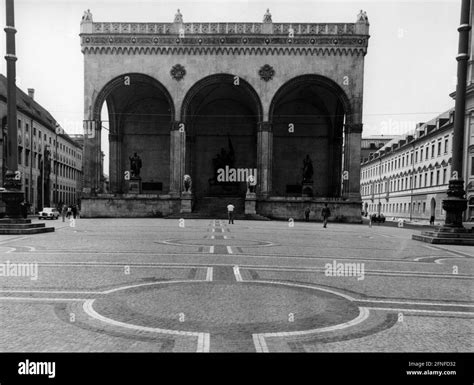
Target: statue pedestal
point(250, 203)
point(186, 202)
point(307, 189)
point(135, 185)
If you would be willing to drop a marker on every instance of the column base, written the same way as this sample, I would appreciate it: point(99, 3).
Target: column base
point(251, 203)
point(187, 202)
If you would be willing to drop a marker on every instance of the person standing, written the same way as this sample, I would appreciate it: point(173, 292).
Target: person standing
point(307, 211)
point(325, 213)
point(63, 211)
point(432, 219)
point(230, 213)
point(74, 211)
point(24, 209)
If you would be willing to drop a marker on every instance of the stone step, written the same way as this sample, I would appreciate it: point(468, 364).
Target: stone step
point(436, 234)
point(21, 225)
point(14, 220)
point(468, 241)
point(34, 230)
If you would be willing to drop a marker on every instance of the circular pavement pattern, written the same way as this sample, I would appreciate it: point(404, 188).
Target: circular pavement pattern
point(224, 307)
point(217, 242)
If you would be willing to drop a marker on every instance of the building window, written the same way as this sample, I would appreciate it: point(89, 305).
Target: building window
point(426, 179)
point(439, 148)
point(427, 152)
point(415, 180)
point(27, 158)
point(431, 178)
point(20, 152)
point(424, 207)
point(445, 173)
point(446, 145)
point(432, 150)
point(19, 124)
point(421, 154)
point(34, 131)
point(472, 165)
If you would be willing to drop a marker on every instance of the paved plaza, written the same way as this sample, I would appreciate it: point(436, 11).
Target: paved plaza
point(163, 285)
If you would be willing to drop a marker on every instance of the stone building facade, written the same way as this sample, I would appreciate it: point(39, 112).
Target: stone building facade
point(408, 177)
point(192, 98)
point(49, 161)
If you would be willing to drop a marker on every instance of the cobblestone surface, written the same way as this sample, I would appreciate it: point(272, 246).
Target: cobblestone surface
point(87, 262)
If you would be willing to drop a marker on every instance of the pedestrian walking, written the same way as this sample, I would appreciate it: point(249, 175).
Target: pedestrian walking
point(432, 219)
point(63, 211)
point(307, 211)
point(74, 211)
point(24, 209)
point(230, 213)
point(325, 213)
point(69, 212)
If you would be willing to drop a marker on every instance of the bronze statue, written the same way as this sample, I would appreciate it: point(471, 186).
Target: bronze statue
point(307, 169)
point(135, 165)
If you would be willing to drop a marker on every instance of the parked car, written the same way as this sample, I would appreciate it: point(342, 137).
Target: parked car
point(378, 218)
point(48, 213)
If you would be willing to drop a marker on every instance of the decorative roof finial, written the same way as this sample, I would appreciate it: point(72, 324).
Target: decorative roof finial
point(87, 16)
point(362, 17)
point(178, 18)
point(267, 18)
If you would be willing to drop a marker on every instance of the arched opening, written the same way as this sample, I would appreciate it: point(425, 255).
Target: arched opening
point(308, 114)
point(221, 113)
point(137, 111)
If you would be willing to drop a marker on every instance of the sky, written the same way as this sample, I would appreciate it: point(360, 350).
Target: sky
point(410, 67)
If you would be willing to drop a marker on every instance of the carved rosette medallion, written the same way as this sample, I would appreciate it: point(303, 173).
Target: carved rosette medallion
point(266, 72)
point(178, 72)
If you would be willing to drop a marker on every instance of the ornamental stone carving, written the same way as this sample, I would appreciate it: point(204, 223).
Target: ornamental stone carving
point(266, 72)
point(178, 18)
point(362, 17)
point(178, 72)
point(267, 18)
point(87, 17)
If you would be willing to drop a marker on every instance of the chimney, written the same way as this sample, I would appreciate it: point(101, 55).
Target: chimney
point(31, 93)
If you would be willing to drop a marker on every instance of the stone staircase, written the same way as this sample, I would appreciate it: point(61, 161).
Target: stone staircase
point(216, 208)
point(22, 226)
point(446, 236)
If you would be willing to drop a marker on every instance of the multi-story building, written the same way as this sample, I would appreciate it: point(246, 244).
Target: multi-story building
point(49, 161)
point(408, 177)
point(370, 144)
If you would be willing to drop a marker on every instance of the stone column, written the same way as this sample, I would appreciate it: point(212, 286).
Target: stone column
point(115, 164)
point(351, 169)
point(92, 156)
point(177, 157)
point(264, 159)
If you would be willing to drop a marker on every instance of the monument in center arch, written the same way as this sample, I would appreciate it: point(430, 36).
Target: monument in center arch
point(281, 102)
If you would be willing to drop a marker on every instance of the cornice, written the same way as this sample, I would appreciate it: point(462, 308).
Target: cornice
point(230, 45)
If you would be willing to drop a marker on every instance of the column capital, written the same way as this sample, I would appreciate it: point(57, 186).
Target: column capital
point(353, 128)
point(264, 126)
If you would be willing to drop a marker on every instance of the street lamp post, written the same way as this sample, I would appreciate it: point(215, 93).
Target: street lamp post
point(13, 195)
point(455, 204)
point(453, 231)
